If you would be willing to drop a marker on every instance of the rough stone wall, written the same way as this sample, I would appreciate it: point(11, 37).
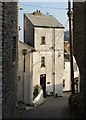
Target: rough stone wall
point(0, 60)
point(80, 49)
point(9, 58)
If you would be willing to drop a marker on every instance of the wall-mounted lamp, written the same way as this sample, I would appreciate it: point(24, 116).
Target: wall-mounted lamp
point(24, 51)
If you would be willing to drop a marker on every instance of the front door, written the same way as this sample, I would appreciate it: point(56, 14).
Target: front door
point(43, 83)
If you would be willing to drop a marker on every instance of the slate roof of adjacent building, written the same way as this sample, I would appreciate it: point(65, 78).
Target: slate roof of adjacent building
point(32, 48)
point(43, 20)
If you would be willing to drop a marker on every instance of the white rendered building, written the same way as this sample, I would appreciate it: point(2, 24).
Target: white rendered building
point(46, 34)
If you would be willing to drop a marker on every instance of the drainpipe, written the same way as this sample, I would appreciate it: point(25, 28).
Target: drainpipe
point(31, 79)
point(70, 15)
point(53, 60)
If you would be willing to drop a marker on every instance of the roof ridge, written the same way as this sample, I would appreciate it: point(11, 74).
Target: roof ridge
point(44, 20)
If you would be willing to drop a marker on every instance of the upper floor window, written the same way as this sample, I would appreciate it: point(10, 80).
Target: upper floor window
point(42, 40)
point(42, 61)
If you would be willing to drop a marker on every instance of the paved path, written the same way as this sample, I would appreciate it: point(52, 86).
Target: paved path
point(52, 108)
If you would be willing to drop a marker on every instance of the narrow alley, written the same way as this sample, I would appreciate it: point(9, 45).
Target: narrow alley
point(52, 108)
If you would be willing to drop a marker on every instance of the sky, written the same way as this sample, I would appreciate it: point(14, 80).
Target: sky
point(57, 9)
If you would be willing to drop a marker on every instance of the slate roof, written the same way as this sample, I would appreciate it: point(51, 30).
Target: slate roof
point(43, 20)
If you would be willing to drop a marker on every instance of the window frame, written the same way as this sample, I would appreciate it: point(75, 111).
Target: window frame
point(43, 61)
point(43, 40)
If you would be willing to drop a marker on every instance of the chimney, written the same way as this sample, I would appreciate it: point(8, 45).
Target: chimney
point(37, 13)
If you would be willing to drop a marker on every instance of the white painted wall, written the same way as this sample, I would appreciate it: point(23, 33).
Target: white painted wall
point(76, 72)
point(67, 76)
point(27, 76)
point(46, 51)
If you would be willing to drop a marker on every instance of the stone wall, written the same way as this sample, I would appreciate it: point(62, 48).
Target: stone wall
point(8, 56)
point(0, 60)
point(80, 49)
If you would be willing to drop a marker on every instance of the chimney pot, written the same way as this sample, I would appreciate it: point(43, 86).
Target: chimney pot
point(38, 13)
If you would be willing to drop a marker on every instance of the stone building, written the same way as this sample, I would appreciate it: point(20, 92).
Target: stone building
point(46, 34)
point(8, 58)
point(80, 49)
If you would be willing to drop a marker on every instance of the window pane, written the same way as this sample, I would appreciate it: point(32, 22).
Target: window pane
point(42, 61)
point(42, 40)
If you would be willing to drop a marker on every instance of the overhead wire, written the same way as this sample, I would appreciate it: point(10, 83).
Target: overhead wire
point(44, 7)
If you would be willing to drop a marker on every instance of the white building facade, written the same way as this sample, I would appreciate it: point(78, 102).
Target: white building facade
point(46, 35)
point(67, 74)
point(67, 77)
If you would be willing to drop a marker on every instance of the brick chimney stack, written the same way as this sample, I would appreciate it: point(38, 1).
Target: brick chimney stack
point(37, 12)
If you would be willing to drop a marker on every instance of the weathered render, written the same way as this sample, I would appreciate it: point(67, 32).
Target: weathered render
point(50, 28)
point(0, 60)
point(8, 58)
point(80, 49)
point(25, 78)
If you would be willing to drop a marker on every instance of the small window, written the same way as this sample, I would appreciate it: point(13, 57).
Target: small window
point(42, 61)
point(42, 40)
point(64, 65)
point(63, 82)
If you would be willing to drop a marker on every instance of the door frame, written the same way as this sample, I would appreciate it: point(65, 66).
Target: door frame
point(43, 81)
